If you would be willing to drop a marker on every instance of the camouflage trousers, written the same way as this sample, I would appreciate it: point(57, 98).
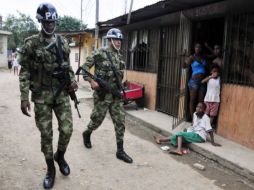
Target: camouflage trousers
point(116, 112)
point(43, 119)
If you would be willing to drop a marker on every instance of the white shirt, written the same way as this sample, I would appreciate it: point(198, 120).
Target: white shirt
point(201, 126)
point(15, 62)
point(213, 90)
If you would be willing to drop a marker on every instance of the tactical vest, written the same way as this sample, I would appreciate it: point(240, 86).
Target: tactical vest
point(43, 63)
point(103, 69)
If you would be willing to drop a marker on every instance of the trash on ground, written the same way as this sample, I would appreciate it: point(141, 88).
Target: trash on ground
point(199, 166)
point(165, 148)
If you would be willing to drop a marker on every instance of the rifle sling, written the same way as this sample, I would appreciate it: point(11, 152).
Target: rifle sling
point(59, 56)
point(114, 71)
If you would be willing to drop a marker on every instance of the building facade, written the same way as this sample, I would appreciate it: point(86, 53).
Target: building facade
point(159, 38)
point(82, 45)
point(3, 48)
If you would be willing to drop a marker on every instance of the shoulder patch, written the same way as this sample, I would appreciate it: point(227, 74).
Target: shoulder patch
point(36, 36)
point(103, 49)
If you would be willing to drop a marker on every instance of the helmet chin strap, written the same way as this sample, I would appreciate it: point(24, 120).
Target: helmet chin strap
point(112, 42)
point(48, 33)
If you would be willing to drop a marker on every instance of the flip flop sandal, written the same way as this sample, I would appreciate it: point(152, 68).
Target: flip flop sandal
point(175, 153)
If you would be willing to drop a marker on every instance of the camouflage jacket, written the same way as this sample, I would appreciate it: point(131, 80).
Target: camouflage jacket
point(37, 66)
point(102, 66)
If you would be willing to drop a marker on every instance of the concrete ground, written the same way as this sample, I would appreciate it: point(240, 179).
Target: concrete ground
point(22, 165)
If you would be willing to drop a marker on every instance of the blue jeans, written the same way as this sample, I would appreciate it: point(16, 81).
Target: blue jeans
point(195, 84)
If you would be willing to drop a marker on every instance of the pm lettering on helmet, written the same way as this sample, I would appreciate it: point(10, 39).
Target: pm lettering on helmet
point(50, 15)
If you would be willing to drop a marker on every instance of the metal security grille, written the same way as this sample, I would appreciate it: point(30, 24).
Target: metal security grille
point(168, 77)
point(142, 48)
point(183, 47)
point(239, 49)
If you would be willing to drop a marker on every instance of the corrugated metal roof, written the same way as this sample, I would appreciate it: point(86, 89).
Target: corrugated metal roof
point(158, 9)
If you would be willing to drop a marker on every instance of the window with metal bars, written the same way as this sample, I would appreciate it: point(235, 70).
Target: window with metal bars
point(239, 62)
point(139, 50)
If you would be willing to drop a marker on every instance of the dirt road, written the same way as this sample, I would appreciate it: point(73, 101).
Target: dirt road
point(22, 164)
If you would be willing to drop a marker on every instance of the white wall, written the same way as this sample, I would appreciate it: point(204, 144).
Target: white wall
point(74, 63)
point(3, 50)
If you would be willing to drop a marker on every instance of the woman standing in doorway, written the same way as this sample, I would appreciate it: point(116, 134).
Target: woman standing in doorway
point(198, 64)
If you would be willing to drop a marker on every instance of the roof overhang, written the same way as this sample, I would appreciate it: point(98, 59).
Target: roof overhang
point(76, 32)
point(158, 9)
point(2, 32)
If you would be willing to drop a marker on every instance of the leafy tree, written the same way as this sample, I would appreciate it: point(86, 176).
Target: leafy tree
point(68, 23)
point(21, 27)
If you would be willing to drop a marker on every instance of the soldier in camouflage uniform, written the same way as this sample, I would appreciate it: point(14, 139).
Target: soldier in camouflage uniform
point(104, 101)
point(38, 65)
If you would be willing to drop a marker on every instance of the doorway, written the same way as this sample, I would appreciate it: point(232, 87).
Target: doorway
point(205, 31)
point(210, 31)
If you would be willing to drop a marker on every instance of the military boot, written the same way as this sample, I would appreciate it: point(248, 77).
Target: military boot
point(87, 139)
point(121, 155)
point(49, 180)
point(63, 166)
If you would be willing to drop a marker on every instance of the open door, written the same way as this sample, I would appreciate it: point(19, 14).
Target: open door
point(183, 49)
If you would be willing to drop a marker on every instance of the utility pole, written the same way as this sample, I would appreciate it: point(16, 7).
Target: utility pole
point(96, 25)
point(81, 18)
point(129, 15)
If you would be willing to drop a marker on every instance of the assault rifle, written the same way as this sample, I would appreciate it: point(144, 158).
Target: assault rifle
point(62, 72)
point(102, 83)
point(118, 81)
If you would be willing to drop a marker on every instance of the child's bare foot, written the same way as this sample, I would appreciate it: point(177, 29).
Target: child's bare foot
point(157, 139)
point(177, 152)
point(185, 151)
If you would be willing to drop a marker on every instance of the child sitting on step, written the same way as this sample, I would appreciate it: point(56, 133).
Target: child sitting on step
point(195, 134)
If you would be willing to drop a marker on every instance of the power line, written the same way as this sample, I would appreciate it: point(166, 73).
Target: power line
point(85, 9)
point(88, 15)
point(88, 2)
point(63, 8)
point(89, 7)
